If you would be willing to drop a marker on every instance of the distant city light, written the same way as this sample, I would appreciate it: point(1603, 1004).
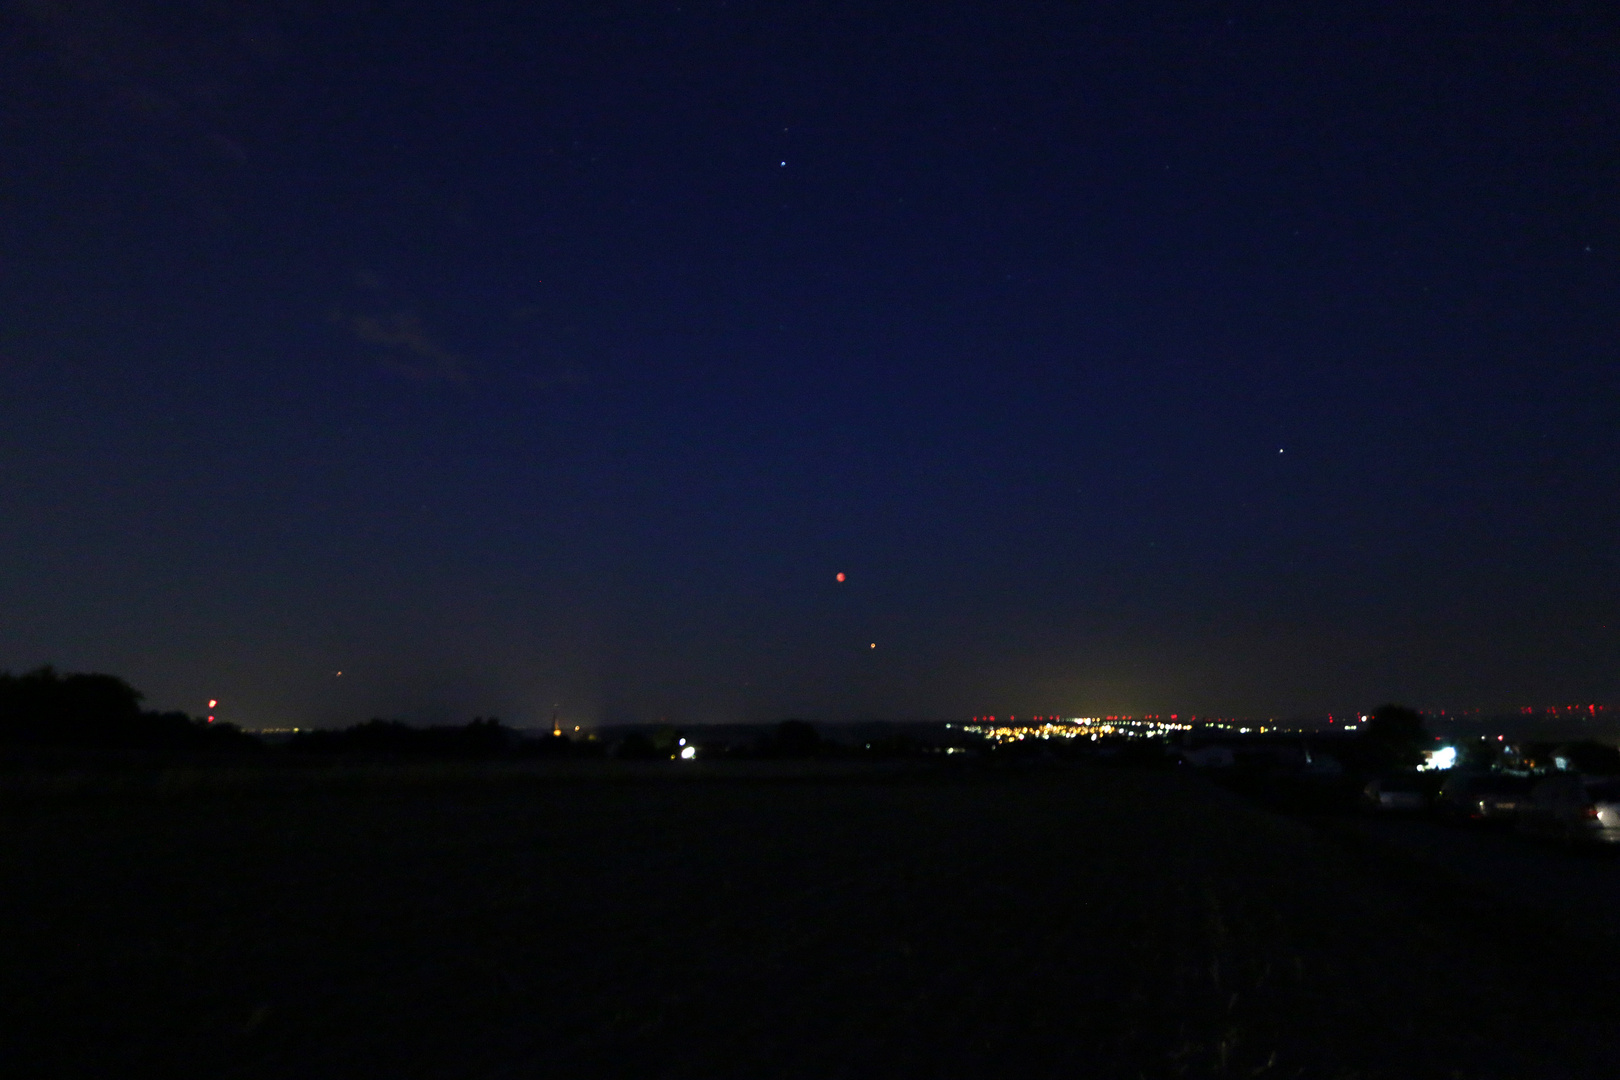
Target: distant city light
point(1079, 727)
point(212, 703)
point(689, 753)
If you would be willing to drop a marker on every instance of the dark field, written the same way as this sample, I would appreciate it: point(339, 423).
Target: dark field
point(452, 923)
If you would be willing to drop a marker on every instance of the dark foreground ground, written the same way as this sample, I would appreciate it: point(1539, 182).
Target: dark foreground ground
point(448, 923)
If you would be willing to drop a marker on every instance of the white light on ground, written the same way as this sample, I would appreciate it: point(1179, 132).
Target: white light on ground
point(689, 753)
point(1443, 758)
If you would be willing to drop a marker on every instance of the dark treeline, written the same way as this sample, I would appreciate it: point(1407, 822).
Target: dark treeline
point(482, 738)
point(787, 740)
point(46, 710)
point(489, 738)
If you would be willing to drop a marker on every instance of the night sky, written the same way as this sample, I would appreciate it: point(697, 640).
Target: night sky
point(511, 358)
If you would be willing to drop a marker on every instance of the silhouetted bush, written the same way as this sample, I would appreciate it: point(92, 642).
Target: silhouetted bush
point(659, 745)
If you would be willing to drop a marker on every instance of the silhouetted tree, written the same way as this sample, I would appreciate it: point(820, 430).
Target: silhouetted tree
point(1481, 752)
point(480, 738)
point(42, 708)
point(1394, 737)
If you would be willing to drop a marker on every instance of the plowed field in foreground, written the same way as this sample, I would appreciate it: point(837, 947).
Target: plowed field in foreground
point(1065, 923)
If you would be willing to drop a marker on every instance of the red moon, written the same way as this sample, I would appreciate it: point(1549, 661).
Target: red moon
point(840, 575)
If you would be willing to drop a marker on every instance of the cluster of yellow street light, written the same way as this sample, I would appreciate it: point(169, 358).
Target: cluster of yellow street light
point(1079, 727)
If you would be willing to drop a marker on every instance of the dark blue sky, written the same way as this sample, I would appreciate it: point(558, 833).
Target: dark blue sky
point(507, 357)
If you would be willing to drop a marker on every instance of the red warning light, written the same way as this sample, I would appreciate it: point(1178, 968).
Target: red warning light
point(840, 575)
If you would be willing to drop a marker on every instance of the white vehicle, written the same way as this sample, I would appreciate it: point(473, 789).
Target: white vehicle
point(1575, 809)
point(1483, 797)
point(1396, 793)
